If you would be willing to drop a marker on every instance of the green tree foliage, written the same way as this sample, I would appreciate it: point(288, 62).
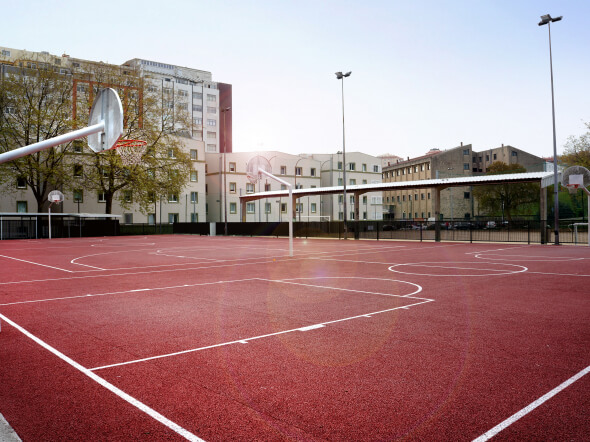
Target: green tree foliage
point(35, 104)
point(506, 199)
point(577, 150)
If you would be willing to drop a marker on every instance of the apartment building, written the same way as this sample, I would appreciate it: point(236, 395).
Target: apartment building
point(361, 168)
point(456, 202)
point(301, 171)
point(208, 129)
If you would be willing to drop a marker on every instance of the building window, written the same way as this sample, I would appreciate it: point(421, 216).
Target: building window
point(249, 188)
point(194, 217)
point(415, 197)
point(197, 95)
point(313, 208)
point(415, 169)
point(212, 135)
point(398, 199)
point(339, 165)
point(422, 196)
point(267, 187)
point(283, 187)
point(233, 208)
point(211, 122)
point(5, 53)
point(211, 148)
point(298, 171)
point(283, 170)
point(77, 146)
point(172, 218)
point(211, 98)
point(364, 181)
point(194, 155)
point(267, 207)
point(428, 195)
point(283, 207)
point(232, 187)
point(78, 196)
point(465, 151)
point(171, 153)
point(198, 108)
point(172, 198)
point(232, 167)
point(421, 167)
point(194, 176)
point(102, 198)
point(351, 166)
point(365, 199)
point(340, 181)
point(514, 153)
point(194, 197)
point(364, 167)
point(298, 186)
point(128, 218)
point(466, 195)
point(211, 110)
point(198, 121)
point(403, 197)
point(312, 171)
point(375, 168)
point(495, 156)
point(250, 208)
point(127, 196)
point(397, 173)
point(21, 207)
point(465, 166)
point(352, 182)
point(21, 183)
point(77, 170)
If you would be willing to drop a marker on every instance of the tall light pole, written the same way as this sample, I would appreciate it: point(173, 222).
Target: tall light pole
point(546, 20)
point(224, 110)
point(341, 76)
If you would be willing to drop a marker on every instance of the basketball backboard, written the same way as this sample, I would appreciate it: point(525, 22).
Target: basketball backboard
point(107, 107)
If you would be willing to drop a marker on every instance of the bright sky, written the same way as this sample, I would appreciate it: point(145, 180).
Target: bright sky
point(425, 74)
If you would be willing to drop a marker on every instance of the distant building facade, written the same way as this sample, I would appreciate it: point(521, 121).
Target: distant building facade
point(456, 202)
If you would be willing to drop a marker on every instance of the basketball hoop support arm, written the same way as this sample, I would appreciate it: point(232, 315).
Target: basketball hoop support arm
point(289, 207)
point(51, 142)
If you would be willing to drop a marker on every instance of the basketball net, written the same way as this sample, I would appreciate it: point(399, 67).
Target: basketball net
point(131, 151)
point(572, 188)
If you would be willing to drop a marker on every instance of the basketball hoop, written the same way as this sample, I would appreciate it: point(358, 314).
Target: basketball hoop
point(572, 188)
point(130, 151)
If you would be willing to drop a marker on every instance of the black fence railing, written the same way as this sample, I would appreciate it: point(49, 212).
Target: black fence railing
point(528, 231)
point(62, 226)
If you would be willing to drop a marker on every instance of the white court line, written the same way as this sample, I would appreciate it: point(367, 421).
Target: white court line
point(246, 340)
point(37, 264)
point(418, 264)
point(120, 393)
point(289, 281)
point(33, 301)
point(526, 410)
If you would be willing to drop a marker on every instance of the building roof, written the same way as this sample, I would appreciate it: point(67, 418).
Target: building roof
point(544, 178)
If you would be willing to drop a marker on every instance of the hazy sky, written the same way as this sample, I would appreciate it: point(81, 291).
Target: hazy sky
point(425, 74)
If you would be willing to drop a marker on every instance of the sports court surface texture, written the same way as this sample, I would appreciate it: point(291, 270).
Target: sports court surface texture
point(224, 338)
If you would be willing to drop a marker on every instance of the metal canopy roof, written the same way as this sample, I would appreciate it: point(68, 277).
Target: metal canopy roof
point(544, 178)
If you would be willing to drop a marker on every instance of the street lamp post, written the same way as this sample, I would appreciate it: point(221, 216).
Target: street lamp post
point(224, 110)
point(546, 20)
point(341, 76)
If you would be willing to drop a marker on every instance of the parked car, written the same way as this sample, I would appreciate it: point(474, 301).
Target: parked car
point(490, 225)
point(463, 226)
point(389, 227)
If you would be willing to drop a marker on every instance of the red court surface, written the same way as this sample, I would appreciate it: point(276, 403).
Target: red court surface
point(214, 338)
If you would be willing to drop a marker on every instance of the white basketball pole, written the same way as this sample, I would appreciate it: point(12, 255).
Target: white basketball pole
point(51, 142)
point(289, 206)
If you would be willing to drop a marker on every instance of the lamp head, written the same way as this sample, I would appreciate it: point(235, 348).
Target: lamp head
point(545, 19)
point(338, 75)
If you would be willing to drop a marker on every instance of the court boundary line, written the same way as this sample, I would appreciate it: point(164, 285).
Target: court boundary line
point(37, 264)
point(526, 410)
point(104, 383)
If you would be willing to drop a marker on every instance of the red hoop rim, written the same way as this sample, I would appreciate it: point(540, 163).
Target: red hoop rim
point(129, 143)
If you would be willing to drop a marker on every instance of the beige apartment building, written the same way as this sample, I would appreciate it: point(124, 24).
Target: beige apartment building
point(361, 169)
point(299, 170)
point(456, 202)
point(178, 86)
